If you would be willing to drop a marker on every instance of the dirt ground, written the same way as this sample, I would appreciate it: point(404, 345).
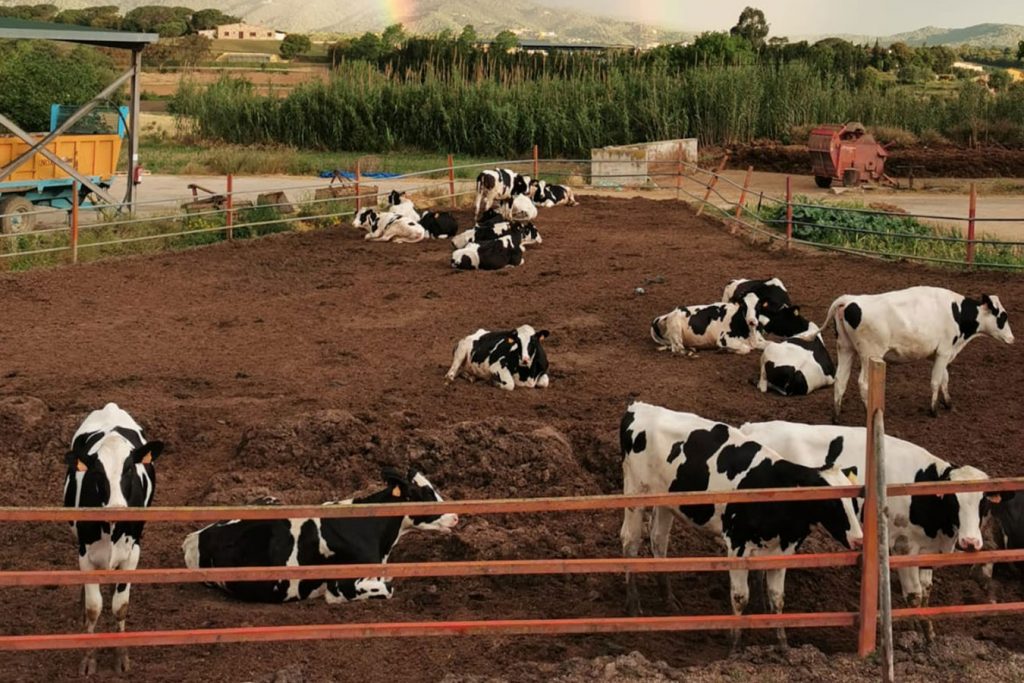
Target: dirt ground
point(299, 364)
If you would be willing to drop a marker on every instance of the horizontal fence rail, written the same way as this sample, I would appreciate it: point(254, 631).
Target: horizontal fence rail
point(517, 505)
point(416, 629)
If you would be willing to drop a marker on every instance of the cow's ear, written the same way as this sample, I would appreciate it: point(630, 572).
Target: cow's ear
point(851, 474)
point(998, 497)
point(543, 334)
point(396, 481)
point(510, 340)
point(79, 461)
point(147, 452)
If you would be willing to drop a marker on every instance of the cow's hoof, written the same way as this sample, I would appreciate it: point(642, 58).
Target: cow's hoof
point(122, 663)
point(933, 412)
point(835, 419)
point(88, 665)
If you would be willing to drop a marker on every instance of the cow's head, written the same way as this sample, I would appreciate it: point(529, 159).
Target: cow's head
point(784, 322)
point(413, 487)
point(993, 319)
point(661, 325)
point(525, 341)
point(530, 234)
point(520, 209)
point(107, 462)
point(972, 508)
point(395, 197)
point(365, 219)
point(520, 185)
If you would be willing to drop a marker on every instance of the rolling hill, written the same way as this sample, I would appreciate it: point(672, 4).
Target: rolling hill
point(980, 35)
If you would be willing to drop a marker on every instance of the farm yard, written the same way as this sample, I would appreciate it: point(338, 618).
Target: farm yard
point(297, 365)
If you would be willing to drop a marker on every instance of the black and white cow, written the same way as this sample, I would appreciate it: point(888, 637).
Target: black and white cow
point(776, 313)
point(316, 541)
point(732, 327)
point(399, 202)
point(508, 359)
point(917, 525)
point(495, 185)
point(528, 234)
point(907, 325)
point(491, 255)
point(439, 224)
point(547, 195)
point(1008, 527)
point(388, 227)
point(796, 366)
point(110, 465)
point(666, 451)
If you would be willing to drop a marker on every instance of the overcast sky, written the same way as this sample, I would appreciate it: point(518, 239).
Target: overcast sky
point(801, 17)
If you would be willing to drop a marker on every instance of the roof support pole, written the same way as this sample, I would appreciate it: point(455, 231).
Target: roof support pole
point(60, 163)
point(135, 128)
point(39, 146)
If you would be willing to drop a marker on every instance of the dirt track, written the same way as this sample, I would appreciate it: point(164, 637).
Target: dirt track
point(297, 365)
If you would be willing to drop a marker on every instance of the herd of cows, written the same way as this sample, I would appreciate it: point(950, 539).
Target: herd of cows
point(111, 463)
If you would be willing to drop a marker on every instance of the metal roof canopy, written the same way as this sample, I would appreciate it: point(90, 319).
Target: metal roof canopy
point(18, 29)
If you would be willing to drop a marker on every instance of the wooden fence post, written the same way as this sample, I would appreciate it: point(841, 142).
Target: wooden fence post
point(972, 213)
point(536, 162)
point(74, 221)
point(789, 212)
point(711, 185)
point(679, 170)
point(359, 199)
point(230, 206)
point(743, 192)
point(870, 572)
point(451, 179)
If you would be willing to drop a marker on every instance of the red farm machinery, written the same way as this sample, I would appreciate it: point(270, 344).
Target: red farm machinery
point(848, 154)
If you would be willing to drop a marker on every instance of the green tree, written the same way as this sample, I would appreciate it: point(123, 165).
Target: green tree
point(467, 39)
point(1020, 51)
point(169, 22)
point(1000, 80)
point(393, 37)
point(504, 42)
point(915, 74)
point(295, 44)
point(36, 74)
point(366, 46)
point(206, 19)
point(193, 49)
point(751, 26)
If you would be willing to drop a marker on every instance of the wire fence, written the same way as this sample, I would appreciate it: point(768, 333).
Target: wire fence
point(843, 227)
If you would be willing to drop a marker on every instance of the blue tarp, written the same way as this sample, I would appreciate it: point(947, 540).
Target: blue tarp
point(352, 176)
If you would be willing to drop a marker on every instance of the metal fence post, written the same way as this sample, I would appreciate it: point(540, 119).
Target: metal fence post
point(451, 179)
point(870, 572)
point(972, 213)
point(789, 212)
point(885, 587)
point(230, 206)
point(74, 221)
point(679, 170)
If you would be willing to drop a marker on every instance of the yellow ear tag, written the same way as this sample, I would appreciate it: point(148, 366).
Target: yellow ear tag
point(852, 477)
point(511, 340)
point(396, 492)
point(995, 499)
point(81, 466)
point(147, 458)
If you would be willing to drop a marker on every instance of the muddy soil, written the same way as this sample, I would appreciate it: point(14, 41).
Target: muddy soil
point(298, 365)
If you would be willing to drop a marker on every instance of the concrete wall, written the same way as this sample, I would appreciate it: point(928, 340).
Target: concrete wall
point(640, 164)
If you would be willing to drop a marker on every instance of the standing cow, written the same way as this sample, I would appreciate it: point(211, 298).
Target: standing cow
point(508, 359)
point(110, 465)
point(918, 524)
point(317, 541)
point(666, 451)
point(495, 185)
point(907, 325)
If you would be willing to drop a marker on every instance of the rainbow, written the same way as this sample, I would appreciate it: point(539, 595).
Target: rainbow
point(396, 11)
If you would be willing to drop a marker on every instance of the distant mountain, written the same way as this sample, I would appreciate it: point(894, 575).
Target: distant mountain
point(527, 19)
point(980, 35)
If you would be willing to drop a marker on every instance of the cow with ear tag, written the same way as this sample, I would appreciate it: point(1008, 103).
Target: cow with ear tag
point(508, 358)
point(317, 541)
point(110, 465)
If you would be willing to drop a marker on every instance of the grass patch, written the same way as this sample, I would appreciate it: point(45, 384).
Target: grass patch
point(891, 235)
point(172, 157)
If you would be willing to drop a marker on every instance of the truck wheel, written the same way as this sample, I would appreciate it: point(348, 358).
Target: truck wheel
point(822, 182)
point(16, 215)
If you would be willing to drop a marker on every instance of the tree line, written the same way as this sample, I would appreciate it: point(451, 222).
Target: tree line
point(169, 22)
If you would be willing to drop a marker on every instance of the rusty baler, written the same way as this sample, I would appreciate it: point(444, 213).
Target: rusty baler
point(847, 153)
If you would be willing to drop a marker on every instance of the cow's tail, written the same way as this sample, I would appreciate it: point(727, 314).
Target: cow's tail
point(656, 334)
point(837, 307)
point(190, 547)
